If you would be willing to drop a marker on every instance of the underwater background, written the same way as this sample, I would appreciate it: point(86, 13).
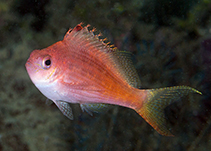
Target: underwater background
point(171, 45)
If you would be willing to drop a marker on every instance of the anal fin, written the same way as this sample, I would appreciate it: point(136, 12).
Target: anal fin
point(89, 107)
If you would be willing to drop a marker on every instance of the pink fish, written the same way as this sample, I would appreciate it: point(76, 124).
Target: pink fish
point(83, 69)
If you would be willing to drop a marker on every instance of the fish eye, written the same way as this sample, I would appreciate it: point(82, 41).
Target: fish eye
point(46, 63)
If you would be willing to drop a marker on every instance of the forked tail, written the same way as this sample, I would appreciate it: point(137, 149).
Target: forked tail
point(157, 99)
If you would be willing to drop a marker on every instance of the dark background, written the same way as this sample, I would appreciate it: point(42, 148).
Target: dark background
point(171, 45)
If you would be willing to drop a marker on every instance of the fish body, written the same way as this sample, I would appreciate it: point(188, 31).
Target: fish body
point(83, 69)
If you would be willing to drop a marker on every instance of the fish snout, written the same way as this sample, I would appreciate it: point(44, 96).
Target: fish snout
point(32, 59)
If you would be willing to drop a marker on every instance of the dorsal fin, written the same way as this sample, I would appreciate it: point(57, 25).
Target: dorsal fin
point(120, 60)
point(126, 65)
point(87, 38)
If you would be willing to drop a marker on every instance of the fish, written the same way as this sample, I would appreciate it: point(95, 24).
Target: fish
point(83, 68)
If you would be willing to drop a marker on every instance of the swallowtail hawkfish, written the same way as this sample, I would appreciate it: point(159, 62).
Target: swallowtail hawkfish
point(83, 69)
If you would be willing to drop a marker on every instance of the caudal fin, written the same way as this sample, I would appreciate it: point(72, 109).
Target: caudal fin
point(157, 99)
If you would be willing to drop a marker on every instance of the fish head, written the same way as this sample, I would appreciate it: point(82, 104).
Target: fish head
point(41, 67)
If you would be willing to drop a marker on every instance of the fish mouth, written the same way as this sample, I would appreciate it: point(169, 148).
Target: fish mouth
point(29, 66)
point(28, 63)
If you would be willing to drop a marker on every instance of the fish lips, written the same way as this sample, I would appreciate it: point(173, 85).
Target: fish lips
point(29, 65)
point(30, 68)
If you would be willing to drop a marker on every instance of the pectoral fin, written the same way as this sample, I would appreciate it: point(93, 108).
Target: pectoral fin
point(65, 108)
